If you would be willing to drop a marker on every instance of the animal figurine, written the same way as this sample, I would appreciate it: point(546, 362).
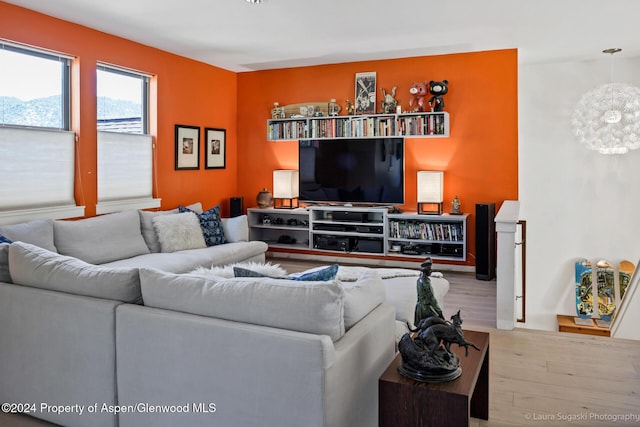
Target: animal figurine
point(437, 90)
point(350, 107)
point(389, 102)
point(419, 90)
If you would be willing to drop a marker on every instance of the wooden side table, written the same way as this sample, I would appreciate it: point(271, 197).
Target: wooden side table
point(404, 402)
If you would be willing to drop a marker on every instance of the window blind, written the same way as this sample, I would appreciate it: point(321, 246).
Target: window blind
point(37, 168)
point(125, 172)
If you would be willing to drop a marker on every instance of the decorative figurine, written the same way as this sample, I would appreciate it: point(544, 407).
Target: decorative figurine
point(333, 108)
point(419, 90)
point(455, 206)
point(350, 107)
point(427, 357)
point(426, 305)
point(437, 89)
point(389, 101)
point(276, 111)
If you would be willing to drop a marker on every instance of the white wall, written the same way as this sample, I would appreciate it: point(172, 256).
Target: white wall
point(577, 202)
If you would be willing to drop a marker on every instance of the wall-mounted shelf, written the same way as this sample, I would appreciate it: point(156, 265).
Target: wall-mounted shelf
point(415, 125)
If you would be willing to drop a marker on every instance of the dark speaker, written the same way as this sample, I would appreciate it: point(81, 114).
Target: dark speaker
point(485, 241)
point(235, 206)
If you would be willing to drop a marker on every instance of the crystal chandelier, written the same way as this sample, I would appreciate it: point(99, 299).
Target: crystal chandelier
point(607, 119)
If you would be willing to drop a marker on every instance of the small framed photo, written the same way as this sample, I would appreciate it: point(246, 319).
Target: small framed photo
point(365, 95)
point(216, 146)
point(187, 147)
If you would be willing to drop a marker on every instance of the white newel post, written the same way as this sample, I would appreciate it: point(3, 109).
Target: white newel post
point(506, 224)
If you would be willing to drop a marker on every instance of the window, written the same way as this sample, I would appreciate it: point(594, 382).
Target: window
point(125, 149)
point(37, 150)
point(34, 87)
point(123, 99)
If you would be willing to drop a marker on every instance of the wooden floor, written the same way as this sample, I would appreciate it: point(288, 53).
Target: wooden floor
point(537, 378)
point(541, 378)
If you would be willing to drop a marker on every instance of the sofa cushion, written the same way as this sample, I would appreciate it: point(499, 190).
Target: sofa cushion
point(37, 267)
point(38, 232)
point(178, 232)
point(236, 229)
point(4, 263)
point(362, 296)
point(190, 259)
point(146, 224)
point(210, 224)
point(101, 239)
point(312, 307)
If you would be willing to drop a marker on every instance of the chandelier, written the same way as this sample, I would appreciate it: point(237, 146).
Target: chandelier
point(607, 119)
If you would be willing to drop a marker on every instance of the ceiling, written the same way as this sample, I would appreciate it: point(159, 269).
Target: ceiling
point(239, 36)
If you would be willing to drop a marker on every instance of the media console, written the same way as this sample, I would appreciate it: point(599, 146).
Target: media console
point(361, 230)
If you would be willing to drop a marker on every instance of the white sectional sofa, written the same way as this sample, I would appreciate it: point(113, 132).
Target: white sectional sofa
point(137, 342)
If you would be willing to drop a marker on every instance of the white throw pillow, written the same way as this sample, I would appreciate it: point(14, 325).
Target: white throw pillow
point(178, 232)
point(146, 224)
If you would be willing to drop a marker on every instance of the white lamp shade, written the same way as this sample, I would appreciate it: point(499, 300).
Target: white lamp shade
point(430, 187)
point(285, 184)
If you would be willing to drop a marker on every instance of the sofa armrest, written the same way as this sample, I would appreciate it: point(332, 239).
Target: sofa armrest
point(361, 356)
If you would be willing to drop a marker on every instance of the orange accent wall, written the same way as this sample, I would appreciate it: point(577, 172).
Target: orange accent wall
point(480, 158)
point(185, 91)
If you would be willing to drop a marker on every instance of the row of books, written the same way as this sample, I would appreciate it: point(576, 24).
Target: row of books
point(421, 125)
point(438, 231)
point(355, 126)
point(294, 129)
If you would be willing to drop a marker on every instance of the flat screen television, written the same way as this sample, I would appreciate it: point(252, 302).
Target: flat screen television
point(352, 171)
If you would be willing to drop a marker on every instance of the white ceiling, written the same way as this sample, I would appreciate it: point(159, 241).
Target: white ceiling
point(240, 36)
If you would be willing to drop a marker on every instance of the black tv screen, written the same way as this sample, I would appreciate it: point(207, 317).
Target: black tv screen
point(357, 171)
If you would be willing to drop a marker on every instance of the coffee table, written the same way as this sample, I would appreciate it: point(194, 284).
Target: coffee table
point(404, 402)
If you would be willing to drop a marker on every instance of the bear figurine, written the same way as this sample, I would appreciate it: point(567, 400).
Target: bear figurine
point(437, 90)
point(419, 90)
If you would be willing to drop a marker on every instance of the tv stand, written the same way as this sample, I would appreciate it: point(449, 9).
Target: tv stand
point(359, 230)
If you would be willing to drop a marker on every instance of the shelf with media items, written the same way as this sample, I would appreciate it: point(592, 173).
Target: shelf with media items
point(437, 236)
point(413, 125)
point(361, 231)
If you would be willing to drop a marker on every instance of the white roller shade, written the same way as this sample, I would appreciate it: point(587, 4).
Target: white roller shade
point(125, 172)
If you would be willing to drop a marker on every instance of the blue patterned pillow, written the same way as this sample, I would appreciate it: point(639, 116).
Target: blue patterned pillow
point(325, 274)
point(4, 239)
point(211, 225)
point(244, 272)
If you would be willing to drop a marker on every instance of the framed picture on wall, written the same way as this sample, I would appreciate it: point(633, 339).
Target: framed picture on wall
point(216, 148)
point(187, 147)
point(365, 95)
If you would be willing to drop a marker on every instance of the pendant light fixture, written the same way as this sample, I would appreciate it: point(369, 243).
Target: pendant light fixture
point(607, 119)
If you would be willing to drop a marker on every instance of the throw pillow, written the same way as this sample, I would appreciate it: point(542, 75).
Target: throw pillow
point(243, 272)
point(328, 273)
point(146, 224)
point(226, 271)
point(211, 225)
point(4, 239)
point(178, 232)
